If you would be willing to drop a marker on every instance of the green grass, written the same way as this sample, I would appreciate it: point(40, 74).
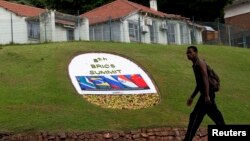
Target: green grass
point(36, 93)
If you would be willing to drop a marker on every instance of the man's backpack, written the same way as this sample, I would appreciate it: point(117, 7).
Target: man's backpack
point(214, 79)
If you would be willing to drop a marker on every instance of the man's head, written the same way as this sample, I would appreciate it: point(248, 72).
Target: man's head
point(192, 53)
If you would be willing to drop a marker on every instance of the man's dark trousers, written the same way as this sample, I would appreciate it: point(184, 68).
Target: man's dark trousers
point(200, 110)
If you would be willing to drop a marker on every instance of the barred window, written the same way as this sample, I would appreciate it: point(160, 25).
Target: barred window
point(153, 32)
point(171, 33)
point(133, 32)
point(70, 34)
point(33, 30)
point(98, 33)
point(184, 34)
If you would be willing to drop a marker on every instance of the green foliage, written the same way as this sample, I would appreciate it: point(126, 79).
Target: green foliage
point(199, 10)
point(202, 10)
point(37, 3)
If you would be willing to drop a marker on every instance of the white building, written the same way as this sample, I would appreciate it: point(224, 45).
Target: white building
point(25, 24)
point(126, 21)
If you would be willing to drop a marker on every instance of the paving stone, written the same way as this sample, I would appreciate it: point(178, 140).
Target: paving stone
point(144, 134)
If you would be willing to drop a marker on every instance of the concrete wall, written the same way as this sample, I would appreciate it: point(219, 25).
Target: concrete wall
point(61, 33)
point(17, 32)
point(13, 28)
point(84, 30)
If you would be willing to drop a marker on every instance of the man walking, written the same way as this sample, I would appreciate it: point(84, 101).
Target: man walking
point(206, 102)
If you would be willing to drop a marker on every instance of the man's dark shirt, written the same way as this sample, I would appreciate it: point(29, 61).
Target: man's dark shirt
point(198, 77)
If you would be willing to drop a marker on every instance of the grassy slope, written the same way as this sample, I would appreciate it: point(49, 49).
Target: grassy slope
point(37, 95)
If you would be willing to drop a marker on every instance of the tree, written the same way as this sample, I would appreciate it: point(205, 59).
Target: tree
point(199, 10)
point(37, 3)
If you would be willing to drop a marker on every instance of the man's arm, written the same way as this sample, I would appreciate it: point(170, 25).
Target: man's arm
point(204, 74)
point(190, 99)
point(196, 90)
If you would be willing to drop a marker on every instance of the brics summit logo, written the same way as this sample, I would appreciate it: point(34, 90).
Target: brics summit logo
point(109, 74)
point(112, 82)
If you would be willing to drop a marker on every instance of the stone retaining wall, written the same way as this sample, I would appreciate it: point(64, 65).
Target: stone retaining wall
point(152, 134)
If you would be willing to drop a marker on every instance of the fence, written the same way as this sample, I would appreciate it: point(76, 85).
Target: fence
point(228, 35)
point(19, 30)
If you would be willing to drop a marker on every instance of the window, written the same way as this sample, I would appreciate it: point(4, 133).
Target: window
point(33, 30)
point(133, 32)
point(106, 32)
point(171, 33)
point(98, 32)
point(184, 34)
point(153, 33)
point(70, 34)
point(91, 33)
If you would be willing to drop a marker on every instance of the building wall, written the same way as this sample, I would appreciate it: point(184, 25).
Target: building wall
point(5, 25)
point(106, 31)
point(160, 35)
point(83, 29)
point(61, 33)
point(163, 39)
point(242, 20)
point(47, 26)
point(80, 33)
point(50, 31)
point(180, 35)
point(19, 28)
point(124, 31)
point(182, 30)
point(116, 31)
point(198, 37)
point(238, 15)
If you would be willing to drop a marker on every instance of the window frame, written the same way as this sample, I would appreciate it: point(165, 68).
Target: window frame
point(133, 29)
point(33, 30)
point(171, 34)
